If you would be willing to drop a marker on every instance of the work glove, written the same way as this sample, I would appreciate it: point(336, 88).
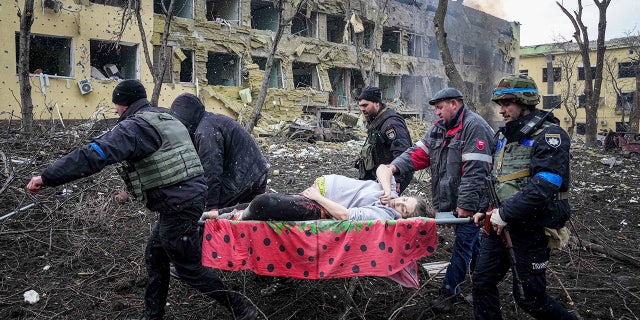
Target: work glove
point(496, 219)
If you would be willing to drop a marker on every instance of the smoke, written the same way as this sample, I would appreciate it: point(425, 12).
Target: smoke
point(492, 7)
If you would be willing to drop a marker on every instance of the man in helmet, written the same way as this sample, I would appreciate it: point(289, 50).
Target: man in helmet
point(387, 137)
point(531, 170)
point(458, 150)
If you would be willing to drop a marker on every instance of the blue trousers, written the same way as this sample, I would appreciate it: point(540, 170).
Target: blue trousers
point(465, 249)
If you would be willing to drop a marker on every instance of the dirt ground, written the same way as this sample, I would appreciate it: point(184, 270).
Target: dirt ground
point(82, 252)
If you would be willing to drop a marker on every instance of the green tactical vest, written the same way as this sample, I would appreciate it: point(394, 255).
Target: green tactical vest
point(175, 161)
point(511, 164)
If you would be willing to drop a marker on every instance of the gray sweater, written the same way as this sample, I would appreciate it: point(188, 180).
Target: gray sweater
point(362, 198)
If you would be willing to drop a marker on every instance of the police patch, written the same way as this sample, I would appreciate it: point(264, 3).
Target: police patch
point(553, 139)
point(391, 133)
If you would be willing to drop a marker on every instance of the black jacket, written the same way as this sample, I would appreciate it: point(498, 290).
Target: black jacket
point(231, 158)
point(131, 139)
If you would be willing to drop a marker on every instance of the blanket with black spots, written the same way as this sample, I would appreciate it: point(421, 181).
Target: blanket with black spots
point(321, 249)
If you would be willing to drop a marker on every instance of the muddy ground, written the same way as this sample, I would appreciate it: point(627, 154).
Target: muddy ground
point(82, 252)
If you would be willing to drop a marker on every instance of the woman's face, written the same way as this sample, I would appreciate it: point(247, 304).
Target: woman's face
point(405, 205)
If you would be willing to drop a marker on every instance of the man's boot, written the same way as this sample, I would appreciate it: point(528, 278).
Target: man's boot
point(444, 301)
point(241, 308)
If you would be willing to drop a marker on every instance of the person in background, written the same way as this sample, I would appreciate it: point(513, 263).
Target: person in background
point(457, 149)
point(531, 167)
point(234, 168)
point(387, 137)
point(161, 166)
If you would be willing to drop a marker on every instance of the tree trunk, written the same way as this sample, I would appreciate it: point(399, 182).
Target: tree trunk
point(449, 66)
point(26, 21)
point(634, 117)
point(283, 23)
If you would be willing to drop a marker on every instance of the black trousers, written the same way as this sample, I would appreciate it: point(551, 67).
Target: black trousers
point(279, 207)
point(532, 256)
point(176, 239)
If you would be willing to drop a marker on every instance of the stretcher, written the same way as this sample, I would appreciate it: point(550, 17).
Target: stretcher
point(323, 249)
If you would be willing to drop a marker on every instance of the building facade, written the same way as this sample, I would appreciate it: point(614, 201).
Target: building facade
point(218, 51)
point(566, 81)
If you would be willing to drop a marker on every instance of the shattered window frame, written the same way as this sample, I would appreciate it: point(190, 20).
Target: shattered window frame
point(390, 40)
point(264, 20)
point(415, 45)
point(123, 55)
point(302, 26)
point(223, 65)
point(310, 73)
point(627, 69)
point(388, 85)
point(167, 77)
point(411, 89)
point(338, 79)
point(223, 11)
point(335, 28)
point(181, 8)
point(557, 74)
point(187, 66)
point(52, 55)
point(276, 79)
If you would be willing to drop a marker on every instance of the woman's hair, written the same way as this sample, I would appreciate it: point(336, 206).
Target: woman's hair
point(422, 209)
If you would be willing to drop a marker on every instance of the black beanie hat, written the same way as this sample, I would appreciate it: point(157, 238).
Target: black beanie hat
point(128, 92)
point(370, 93)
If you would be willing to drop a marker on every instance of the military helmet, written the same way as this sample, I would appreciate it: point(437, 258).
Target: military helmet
point(520, 88)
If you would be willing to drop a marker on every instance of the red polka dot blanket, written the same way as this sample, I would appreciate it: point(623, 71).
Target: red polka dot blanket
point(321, 249)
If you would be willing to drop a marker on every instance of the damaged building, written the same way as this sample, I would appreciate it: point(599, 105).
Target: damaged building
point(218, 50)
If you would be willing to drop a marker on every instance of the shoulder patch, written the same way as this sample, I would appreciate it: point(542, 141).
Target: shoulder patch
point(391, 133)
point(480, 145)
point(553, 139)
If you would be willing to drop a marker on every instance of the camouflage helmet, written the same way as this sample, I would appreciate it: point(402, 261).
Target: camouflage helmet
point(520, 88)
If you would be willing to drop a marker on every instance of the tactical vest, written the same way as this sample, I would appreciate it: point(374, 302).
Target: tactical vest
point(513, 173)
point(373, 152)
point(175, 161)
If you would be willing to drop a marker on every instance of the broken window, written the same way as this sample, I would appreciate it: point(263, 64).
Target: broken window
point(411, 90)
point(275, 79)
point(434, 50)
point(305, 24)
point(223, 11)
point(365, 36)
point(223, 69)
point(390, 40)
point(305, 75)
point(264, 15)
point(167, 76)
point(581, 73)
point(337, 97)
point(551, 101)
point(115, 3)
point(48, 55)
point(469, 55)
point(181, 8)
point(436, 84)
point(582, 100)
point(627, 69)
point(357, 82)
point(524, 72)
point(335, 28)
point(414, 46)
point(110, 59)
point(557, 74)
point(387, 86)
point(624, 101)
point(186, 65)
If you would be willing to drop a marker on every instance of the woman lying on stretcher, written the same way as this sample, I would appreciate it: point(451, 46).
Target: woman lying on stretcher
point(332, 196)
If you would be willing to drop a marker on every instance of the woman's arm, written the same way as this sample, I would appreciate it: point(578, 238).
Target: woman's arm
point(384, 174)
point(336, 210)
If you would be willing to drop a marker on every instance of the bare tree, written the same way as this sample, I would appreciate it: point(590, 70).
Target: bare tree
point(285, 15)
point(610, 75)
point(449, 66)
point(591, 86)
point(26, 21)
point(568, 93)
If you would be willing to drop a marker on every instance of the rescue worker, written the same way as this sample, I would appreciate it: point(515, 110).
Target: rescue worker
point(387, 137)
point(161, 166)
point(457, 149)
point(234, 168)
point(531, 168)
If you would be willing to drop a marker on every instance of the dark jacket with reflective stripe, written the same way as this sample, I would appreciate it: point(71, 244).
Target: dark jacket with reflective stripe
point(459, 158)
point(132, 139)
point(535, 204)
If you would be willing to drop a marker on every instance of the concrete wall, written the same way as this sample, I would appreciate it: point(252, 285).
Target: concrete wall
point(494, 42)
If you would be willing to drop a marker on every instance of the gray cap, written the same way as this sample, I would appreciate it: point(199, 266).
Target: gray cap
point(445, 94)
